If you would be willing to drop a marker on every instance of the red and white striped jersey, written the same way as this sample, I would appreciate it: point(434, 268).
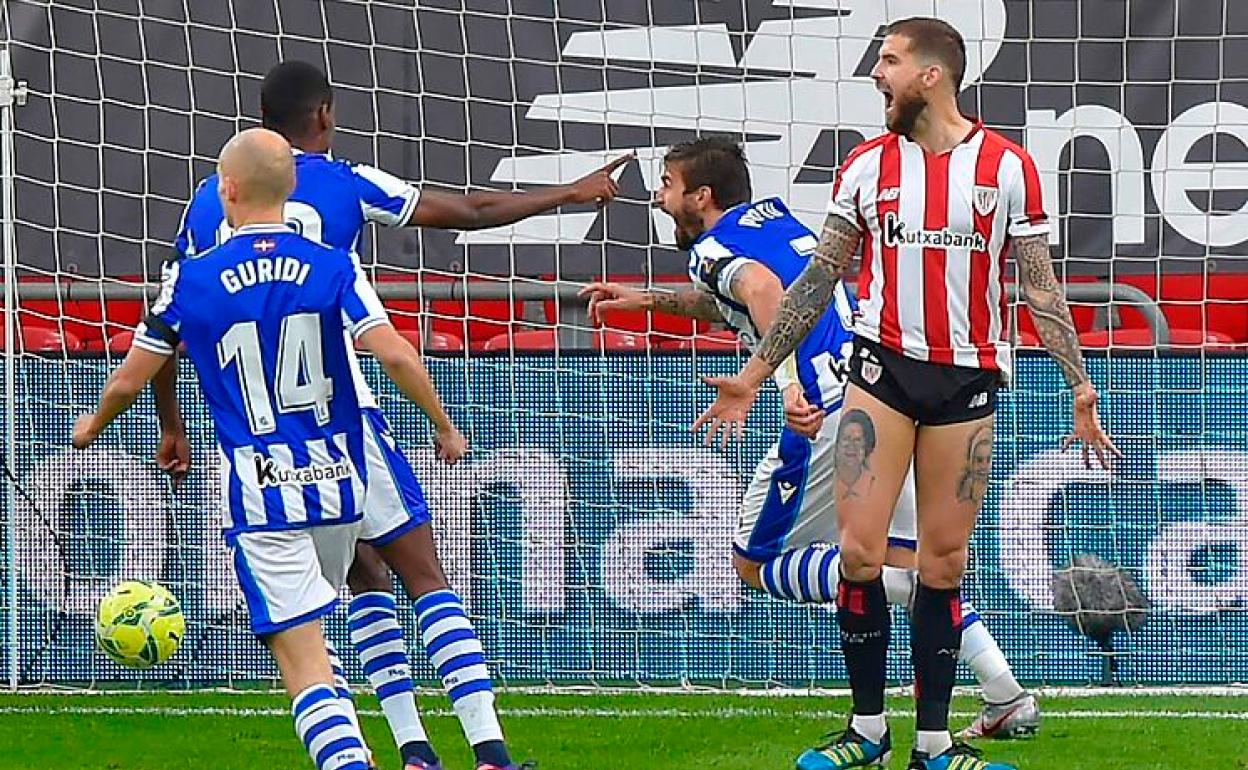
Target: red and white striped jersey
point(935, 232)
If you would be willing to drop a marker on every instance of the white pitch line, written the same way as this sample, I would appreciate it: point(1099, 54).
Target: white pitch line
point(605, 713)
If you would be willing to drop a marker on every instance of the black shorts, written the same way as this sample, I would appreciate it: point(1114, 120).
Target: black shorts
point(929, 394)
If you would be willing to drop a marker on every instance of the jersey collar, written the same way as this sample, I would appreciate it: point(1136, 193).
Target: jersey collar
point(263, 228)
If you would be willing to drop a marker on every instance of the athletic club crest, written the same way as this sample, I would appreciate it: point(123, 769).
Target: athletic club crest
point(985, 199)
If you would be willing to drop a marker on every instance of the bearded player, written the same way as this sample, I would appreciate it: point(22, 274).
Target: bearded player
point(934, 204)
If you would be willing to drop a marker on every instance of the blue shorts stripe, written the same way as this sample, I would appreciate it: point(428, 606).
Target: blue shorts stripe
point(257, 606)
point(784, 498)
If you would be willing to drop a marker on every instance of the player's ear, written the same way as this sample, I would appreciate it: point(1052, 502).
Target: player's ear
point(325, 116)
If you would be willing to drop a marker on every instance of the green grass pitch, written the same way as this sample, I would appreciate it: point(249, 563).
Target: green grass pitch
point(224, 731)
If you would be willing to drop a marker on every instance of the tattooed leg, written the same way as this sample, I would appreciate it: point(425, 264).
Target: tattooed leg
point(874, 448)
point(951, 465)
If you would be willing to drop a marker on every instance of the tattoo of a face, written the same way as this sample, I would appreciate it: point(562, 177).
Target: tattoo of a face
point(855, 441)
point(973, 484)
point(809, 296)
point(1047, 303)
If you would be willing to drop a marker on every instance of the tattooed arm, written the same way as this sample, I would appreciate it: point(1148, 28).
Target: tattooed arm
point(807, 298)
point(1047, 303)
point(805, 301)
point(690, 303)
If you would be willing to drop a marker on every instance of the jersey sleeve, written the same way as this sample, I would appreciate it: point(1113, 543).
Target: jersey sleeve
point(717, 265)
point(1024, 200)
point(384, 198)
point(361, 308)
point(846, 188)
point(160, 332)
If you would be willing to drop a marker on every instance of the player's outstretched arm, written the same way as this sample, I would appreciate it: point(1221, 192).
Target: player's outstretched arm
point(491, 208)
point(606, 297)
point(173, 454)
point(123, 387)
point(805, 301)
point(1047, 302)
point(405, 368)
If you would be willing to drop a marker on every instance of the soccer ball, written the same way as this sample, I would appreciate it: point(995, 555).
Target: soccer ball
point(139, 624)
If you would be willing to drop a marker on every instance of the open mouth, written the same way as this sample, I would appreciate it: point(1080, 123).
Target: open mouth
point(888, 100)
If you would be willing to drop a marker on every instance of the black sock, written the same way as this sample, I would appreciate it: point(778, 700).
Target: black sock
point(862, 613)
point(492, 753)
point(935, 638)
point(419, 750)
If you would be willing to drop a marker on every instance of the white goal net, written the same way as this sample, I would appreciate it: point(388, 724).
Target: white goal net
point(590, 534)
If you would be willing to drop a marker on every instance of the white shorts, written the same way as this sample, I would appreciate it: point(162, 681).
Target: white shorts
point(394, 503)
point(791, 501)
point(290, 577)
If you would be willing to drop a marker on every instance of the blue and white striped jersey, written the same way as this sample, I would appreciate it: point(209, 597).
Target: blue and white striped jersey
point(332, 201)
point(764, 232)
point(262, 317)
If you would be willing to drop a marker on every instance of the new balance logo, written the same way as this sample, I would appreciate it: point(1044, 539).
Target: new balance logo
point(978, 401)
point(270, 474)
point(759, 214)
point(786, 490)
point(889, 194)
point(895, 234)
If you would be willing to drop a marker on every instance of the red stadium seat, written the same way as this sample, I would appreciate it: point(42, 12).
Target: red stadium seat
point(537, 340)
point(44, 339)
point(1028, 340)
point(435, 342)
point(610, 339)
point(708, 342)
point(120, 342)
point(1143, 339)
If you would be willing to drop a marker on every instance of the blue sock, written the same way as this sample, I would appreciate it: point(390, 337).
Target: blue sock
point(456, 653)
point(326, 731)
point(807, 575)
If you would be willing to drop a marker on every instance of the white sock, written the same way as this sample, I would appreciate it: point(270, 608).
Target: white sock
point(332, 741)
point(376, 634)
point(899, 585)
point(870, 727)
point(933, 743)
point(456, 653)
point(984, 657)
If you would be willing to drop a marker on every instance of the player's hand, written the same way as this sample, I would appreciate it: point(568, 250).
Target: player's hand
point(600, 186)
point(1088, 431)
point(84, 434)
point(801, 416)
point(450, 445)
point(725, 419)
point(606, 297)
point(173, 455)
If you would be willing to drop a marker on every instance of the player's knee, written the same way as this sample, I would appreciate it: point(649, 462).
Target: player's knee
point(861, 561)
point(942, 568)
point(368, 573)
point(750, 572)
